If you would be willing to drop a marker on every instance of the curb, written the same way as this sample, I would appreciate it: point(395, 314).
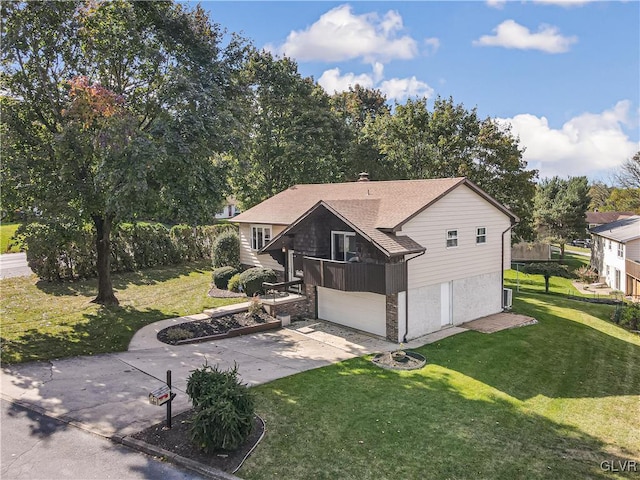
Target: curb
point(192, 465)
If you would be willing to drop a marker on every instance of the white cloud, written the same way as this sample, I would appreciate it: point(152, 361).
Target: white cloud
point(510, 34)
point(339, 35)
point(395, 88)
point(592, 144)
point(332, 81)
point(499, 4)
point(402, 88)
point(432, 45)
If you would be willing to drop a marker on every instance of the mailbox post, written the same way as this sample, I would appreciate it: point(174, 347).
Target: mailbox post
point(162, 396)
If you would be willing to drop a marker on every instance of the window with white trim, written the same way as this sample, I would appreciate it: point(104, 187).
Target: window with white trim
point(481, 235)
point(343, 245)
point(260, 236)
point(452, 238)
point(621, 250)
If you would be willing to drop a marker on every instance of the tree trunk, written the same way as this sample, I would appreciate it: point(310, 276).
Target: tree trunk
point(103, 248)
point(546, 283)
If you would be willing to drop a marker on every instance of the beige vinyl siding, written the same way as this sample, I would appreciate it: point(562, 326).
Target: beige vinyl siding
point(632, 250)
point(462, 210)
point(250, 257)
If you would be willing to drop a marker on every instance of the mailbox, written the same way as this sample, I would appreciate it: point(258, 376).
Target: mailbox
point(160, 396)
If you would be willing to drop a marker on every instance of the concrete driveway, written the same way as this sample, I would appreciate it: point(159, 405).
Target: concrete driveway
point(108, 394)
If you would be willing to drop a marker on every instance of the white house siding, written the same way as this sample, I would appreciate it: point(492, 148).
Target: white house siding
point(474, 270)
point(611, 260)
point(462, 210)
point(250, 257)
point(471, 297)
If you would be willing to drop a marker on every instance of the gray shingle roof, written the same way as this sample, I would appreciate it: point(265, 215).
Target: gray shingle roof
point(623, 230)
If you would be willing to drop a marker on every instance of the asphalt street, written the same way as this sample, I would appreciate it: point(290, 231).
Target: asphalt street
point(37, 447)
point(14, 265)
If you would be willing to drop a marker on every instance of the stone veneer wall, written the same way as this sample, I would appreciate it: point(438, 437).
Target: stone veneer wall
point(392, 317)
point(311, 293)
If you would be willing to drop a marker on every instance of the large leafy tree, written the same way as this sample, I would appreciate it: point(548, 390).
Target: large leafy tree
point(451, 141)
point(292, 135)
point(111, 111)
point(358, 108)
point(560, 208)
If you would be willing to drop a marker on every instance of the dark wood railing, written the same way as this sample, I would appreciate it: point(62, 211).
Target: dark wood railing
point(384, 278)
point(632, 267)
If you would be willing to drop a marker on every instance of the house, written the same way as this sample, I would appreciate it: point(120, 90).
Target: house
point(229, 210)
point(398, 259)
point(595, 219)
point(616, 254)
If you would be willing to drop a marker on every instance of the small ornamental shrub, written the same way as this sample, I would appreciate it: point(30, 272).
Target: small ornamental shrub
point(179, 333)
point(253, 278)
point(222, 275)
point(255, 307)
point(586, 274)
point(226, 250)
point(234, 283)
point(224, 408)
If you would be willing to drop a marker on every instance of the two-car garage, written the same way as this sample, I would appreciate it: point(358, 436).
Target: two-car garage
point(360, 310)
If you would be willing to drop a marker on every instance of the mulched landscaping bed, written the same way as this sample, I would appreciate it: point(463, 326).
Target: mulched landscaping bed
point(214, 326)
point(178, 441)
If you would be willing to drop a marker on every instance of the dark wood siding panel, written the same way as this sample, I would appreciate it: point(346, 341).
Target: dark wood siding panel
point(395, 277)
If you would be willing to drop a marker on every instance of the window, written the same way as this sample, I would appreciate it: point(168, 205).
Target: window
point(343, 245)
point(620, 250)
point(260, 236)
point(481, 235)
point(452, 238)
point(609, 243)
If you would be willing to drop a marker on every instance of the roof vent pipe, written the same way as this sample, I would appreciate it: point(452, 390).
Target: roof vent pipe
point(363, 177)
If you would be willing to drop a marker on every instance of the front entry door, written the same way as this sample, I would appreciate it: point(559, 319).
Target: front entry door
point(291, 271)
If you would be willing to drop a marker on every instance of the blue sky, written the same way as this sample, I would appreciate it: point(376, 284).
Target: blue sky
point(564, 74)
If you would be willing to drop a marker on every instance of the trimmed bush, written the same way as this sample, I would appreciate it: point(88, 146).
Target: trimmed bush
point(252, 279)
point(224, 408)
point(234, 283)
point(222, 275)
point(226, 250)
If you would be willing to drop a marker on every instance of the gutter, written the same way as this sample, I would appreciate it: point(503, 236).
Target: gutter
point(502, 265)
point(406, 297)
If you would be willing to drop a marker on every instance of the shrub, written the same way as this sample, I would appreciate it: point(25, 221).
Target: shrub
point(226, 250)
point(255, 307)
point(586, 274)
point(630, 316)
point(224, 408)
point(234, 283)
point(178, 333)
point(253, 278)
point(222, 275)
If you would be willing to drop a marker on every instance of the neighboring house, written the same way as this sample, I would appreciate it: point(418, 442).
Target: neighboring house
point(616, 254)
point(595, 219)
point(368, 253)
point(229, 210)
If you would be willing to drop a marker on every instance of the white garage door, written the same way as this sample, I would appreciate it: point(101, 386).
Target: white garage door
point(361, 310)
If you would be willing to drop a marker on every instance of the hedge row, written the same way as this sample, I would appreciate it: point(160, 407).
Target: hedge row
point(65, 252)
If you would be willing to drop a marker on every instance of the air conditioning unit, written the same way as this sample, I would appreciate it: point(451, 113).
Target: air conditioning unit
point(507, 298)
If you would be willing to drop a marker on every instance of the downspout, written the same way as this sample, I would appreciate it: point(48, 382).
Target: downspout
point(406, 296)
point(502, 265)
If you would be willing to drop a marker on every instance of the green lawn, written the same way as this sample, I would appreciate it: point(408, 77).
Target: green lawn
point(7, 243)
point(41, 320)
point(552, 400)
